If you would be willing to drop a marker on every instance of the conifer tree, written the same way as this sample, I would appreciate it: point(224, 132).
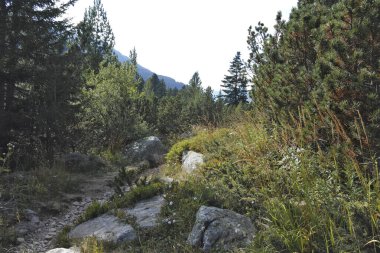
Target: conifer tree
point(195, 81)
point(37, 89)
point(155, 87)
point(235, 84)
point(322, 59)
point(95, 36)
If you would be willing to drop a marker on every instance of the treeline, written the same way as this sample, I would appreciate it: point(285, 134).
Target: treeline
point(62, 88)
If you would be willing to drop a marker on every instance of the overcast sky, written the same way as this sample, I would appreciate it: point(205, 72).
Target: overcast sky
point(178, 37)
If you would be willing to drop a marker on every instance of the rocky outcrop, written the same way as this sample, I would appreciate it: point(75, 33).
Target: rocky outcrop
point(106, 228)
point(62, 250)
point(148, 149)
point(146, 212)
point(191, 161)
point(220, 229)
point(81, 162)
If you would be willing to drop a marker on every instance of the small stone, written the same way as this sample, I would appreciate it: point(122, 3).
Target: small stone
point(20, 240)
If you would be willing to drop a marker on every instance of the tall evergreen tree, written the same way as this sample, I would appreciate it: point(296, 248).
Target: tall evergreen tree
point(36, 86)
point(95, 36)
point(195, 81)
point(155, 87)
point(133, 63)
point(235, 84)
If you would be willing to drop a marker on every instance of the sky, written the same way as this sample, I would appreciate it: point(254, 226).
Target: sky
point(176, 38)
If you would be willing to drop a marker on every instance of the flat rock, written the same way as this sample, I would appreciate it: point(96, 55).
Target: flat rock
point(217, 228)
point(146, 212)
point(106, 228)
point(191, 161)
point(62, 250)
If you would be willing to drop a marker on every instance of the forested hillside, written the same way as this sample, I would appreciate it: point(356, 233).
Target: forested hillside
point(299, 159)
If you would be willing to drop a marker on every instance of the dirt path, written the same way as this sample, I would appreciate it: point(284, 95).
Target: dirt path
point(93, 188)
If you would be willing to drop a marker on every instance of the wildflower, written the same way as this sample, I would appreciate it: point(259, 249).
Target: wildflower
point(170, 203)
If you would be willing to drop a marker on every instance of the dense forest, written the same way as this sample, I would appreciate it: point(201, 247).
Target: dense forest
point(292, 141)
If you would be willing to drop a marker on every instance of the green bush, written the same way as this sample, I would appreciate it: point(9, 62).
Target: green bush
point(62, 239)
point(93, 210)
point(139, 193)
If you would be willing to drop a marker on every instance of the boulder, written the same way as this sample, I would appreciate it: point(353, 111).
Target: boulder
point(146, 212)
point(62, 250)
point(217, 228)
point(148, 149)
point(82, 162)
point(106, 228)
point(191, 161)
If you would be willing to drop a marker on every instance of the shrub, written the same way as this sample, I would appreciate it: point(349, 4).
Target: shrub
point(139, 193)
point(93, 210)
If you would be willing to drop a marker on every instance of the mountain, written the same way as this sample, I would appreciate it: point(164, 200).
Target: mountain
point(146, 73)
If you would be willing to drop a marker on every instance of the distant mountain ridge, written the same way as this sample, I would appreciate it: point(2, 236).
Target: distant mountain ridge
point(146, 73)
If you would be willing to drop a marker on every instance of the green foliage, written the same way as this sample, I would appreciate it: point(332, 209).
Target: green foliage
point(62, 239)
point(95, 37)
point(203, 141)
point(126, 176)
point(235, 84)
point(94, 210)
point(154, 87)
point(270, 173)
point(91, 245)
point(39, 88)
point(110, 112)
point(321, 60)
point(138, 193)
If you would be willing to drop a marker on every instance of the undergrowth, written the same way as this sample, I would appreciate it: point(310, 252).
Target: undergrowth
point(304, 190)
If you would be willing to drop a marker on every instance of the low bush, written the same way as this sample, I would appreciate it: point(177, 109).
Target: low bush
point(138, 193)
point(93, 210)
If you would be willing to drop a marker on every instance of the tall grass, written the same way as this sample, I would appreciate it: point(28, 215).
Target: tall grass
point(309, 185)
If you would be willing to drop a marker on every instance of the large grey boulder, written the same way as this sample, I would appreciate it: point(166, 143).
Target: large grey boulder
point(191, 161)
point(62, 250)
point(146, 212)
point(220, 229)
point(148, 149)
point(106, 228)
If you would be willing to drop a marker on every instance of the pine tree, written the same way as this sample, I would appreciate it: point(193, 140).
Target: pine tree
point(323, 59)
point(155, 87)
point(37, 89)
point(235, 84)
point(95, 36)
point(134, 65)
point(195, 81)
